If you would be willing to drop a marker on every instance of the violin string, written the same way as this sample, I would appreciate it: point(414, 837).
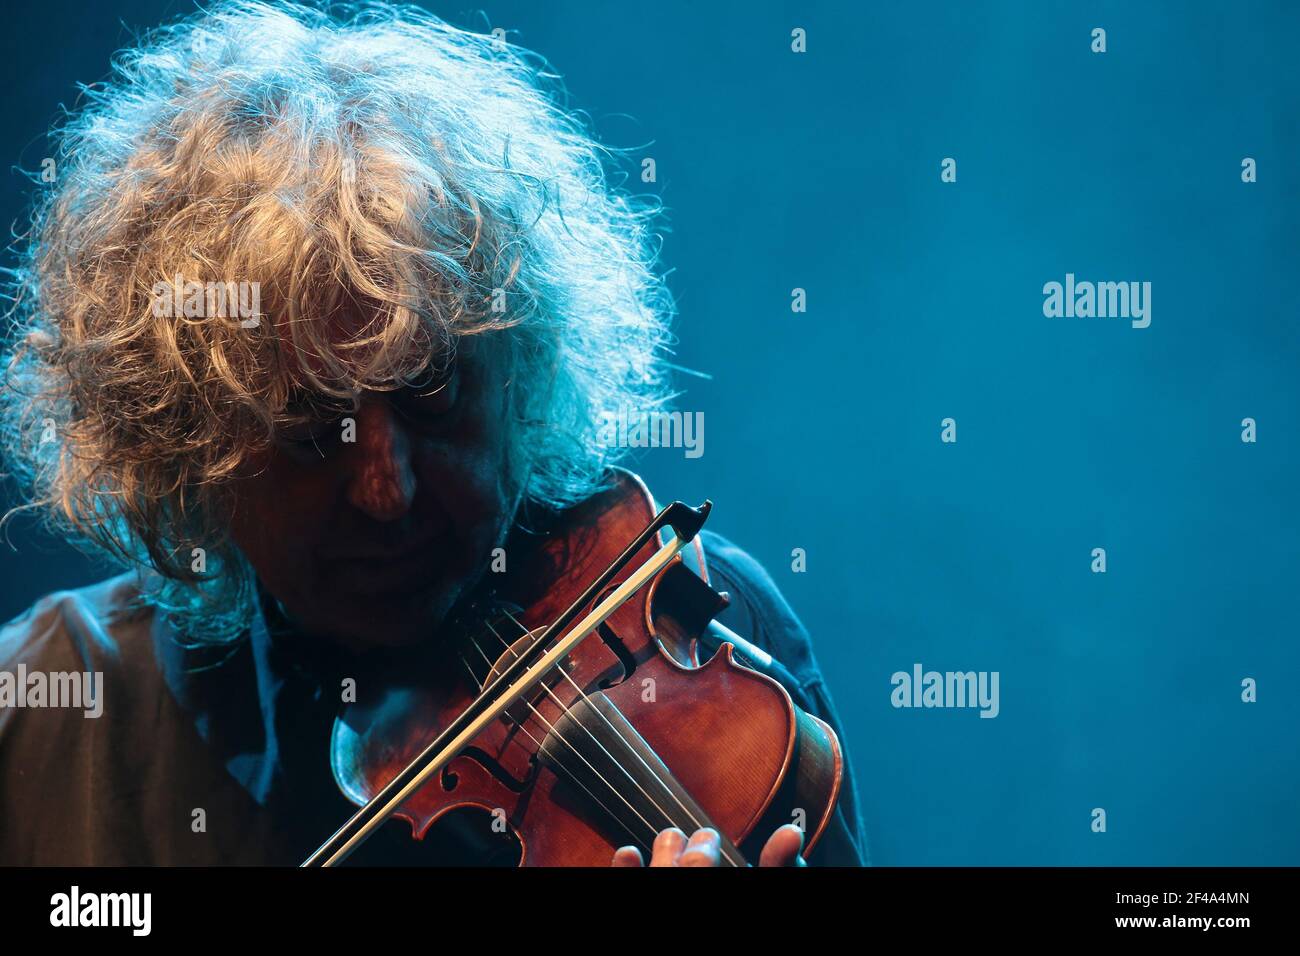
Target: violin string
point(564, 708)
point(654, 773)
point(541, 746)
point(618, 733)
point(555, 732)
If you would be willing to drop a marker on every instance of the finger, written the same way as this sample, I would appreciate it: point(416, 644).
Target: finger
point(704, 849)
point(627, 856)
point(783, 847)
point(668, 847)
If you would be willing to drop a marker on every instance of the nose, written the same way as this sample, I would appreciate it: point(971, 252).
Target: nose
point(381, 483)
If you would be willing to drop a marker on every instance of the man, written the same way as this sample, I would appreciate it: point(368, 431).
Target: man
point(318, 316)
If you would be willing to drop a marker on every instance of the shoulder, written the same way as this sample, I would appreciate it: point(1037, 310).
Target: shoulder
point(82, 720)
point(758, 610)
point(94, 628)
point(760, 613)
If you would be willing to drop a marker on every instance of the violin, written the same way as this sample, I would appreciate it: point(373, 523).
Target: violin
point(571, 708)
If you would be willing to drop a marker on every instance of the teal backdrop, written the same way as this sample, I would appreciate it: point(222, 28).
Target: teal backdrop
point(821, 171)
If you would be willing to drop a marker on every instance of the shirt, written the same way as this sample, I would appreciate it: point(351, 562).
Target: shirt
point(218, 754)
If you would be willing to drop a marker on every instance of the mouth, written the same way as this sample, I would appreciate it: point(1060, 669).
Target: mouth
point(384, 553)
point(386, 574)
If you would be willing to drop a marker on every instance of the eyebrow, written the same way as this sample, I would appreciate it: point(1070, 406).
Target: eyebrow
point(437, 373)
point(300, 404)
point(311, 405)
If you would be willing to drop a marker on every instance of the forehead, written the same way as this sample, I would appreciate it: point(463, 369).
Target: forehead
point(352, 345)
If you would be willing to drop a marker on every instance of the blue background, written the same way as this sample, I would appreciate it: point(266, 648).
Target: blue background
point(821, 171)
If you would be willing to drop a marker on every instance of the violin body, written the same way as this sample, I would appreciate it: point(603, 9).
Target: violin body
point(631, 735)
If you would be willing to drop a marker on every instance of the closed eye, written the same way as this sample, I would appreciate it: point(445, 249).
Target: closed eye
point(430, 404)
point(312, 438)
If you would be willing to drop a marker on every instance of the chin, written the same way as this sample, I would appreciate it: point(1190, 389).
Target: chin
point(387, 622)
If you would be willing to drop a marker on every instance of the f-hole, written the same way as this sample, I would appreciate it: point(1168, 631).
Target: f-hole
point(617, 648)
point(450, 780)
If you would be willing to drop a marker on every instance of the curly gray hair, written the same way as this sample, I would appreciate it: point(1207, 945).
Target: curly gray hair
point(370, 153)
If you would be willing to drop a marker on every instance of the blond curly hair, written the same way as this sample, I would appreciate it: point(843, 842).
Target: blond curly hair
point(370, 154)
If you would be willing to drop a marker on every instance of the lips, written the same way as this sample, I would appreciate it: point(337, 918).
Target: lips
point(386, 573)
point(382, 553)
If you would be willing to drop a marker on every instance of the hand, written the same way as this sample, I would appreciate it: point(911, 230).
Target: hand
point(671, 848)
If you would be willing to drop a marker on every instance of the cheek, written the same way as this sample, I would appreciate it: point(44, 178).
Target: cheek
point(469, 478)
point(277, 522)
